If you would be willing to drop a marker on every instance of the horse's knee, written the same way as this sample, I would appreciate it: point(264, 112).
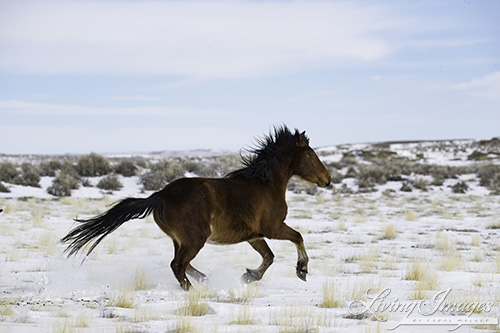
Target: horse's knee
point(269, 258)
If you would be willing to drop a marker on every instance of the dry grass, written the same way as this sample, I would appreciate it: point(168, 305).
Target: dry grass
point(194, 305)
point(444, 243)
point(426, 277)
point(123, 298)
point(410, 215)
point(451, 261)
point(476, 240)
point(244, 316)
point(142, 280)
point(244, 294)
point(478, 256)
point(297, 319)
point(340, 226)
point(48, 242)
point(390, 232)
point(330, 298)
point(184, 325)
point(145, 314)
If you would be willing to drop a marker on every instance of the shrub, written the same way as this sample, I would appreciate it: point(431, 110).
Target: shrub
point(460, 187)
point(62, 185)
point(213, 167)
point(8, 172)
point(68, 168)
point(477, 156)
point(372, 174)
point(93, 165)
point(4, 189)
point(420, 184)
point(29, 176)
point(110, 183)
point(49, 168)
point(126, 168)
point(406, 187)
point(489, 176)
point(337, 177)
point(161, 173)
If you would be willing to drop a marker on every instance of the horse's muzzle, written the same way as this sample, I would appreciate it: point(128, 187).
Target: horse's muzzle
point(325, 182)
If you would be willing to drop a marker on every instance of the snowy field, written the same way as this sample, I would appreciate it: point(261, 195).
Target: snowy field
point(413, 247)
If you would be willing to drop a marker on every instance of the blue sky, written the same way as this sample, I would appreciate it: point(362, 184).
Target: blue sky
point(129, 76)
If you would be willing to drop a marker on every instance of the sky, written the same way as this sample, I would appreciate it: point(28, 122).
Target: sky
point(140, 76)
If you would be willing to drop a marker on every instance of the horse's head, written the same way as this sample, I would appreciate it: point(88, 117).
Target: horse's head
point(306, 163)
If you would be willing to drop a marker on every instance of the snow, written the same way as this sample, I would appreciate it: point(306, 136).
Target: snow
point(42, 291)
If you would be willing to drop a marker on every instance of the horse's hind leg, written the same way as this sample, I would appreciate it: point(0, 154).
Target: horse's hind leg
point(260, 246)
point(199, 276)
point(183, 257)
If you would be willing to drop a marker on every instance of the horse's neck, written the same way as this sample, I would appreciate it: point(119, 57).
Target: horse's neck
point(280, 176)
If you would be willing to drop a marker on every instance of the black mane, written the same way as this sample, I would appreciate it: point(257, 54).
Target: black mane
point(263, 156)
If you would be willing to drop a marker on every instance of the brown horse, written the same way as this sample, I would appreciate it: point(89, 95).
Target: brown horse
point(246, 205)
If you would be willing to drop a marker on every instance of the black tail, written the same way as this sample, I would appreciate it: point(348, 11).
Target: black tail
point(96, 228)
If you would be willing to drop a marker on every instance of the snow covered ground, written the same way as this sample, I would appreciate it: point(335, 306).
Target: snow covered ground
point(398, 248)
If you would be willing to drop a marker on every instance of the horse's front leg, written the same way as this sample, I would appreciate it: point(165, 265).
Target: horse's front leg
point(287, 233)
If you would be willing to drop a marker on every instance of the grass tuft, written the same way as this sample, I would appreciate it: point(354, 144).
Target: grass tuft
point(245, 316)
point(390, 232)
point(330, 297)
point(194, 305)
point(142, 280)
point(123, 298)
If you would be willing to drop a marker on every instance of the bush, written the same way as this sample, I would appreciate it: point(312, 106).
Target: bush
point(4, 189)
point(372, 174)
point(126, 168)
point(420, 184)
point(8, 171)
point(62, 185)
point(68, 168)
point(460, 187)
point(477, 156)
point(337, 177)
point(213, 167)
point(489, 176)
point(29, 176)
point(406, 187)
point(161, 173)
point(93, 165)
point(110, 183)
point(50, 168)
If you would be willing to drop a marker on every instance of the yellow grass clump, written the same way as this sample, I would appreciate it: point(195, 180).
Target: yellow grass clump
point(330, 298)
point(123, 298)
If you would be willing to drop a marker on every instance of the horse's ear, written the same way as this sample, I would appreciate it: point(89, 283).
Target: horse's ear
point(300, 140)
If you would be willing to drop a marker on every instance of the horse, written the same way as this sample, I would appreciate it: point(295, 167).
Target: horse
point(246, 205)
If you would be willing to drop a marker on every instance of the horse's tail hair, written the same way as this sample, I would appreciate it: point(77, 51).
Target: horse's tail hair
point(96, 228)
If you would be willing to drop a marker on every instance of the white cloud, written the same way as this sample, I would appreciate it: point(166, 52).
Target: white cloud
point(47, 109)
point(188, 38)
point(437, 43)
point(485, 87)
point(136, 98)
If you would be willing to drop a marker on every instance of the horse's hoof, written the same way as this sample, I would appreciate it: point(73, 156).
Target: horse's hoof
point(302, 274)
point(251, 275)
point(186, 285)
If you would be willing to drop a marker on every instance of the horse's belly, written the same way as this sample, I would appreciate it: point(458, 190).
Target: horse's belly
point(228, 236)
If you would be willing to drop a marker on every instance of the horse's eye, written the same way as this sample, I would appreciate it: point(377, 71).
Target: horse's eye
point(310, 154)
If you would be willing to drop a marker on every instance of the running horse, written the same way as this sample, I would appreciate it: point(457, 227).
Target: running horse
point(247, 205)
